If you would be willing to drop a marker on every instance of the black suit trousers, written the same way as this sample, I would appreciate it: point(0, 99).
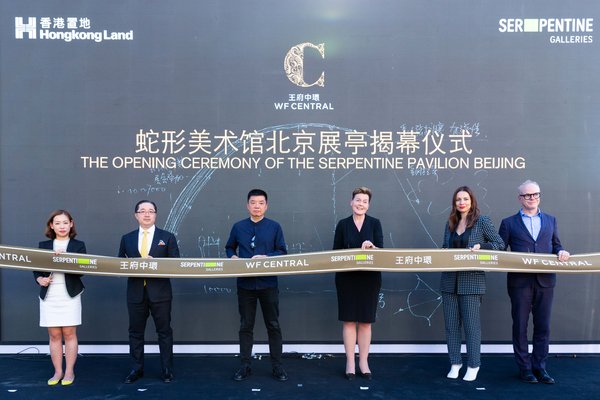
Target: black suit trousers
point(269, 304)
point(161, 314)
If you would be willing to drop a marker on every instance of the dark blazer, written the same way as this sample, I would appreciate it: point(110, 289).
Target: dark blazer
point(517, 237)
point(164, 245)
point(347, 237)
point(73, 281)
point(471, 282)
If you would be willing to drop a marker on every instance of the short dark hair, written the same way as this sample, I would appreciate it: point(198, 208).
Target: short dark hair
point(49, 232)
point(362, 190)
point(257, 192)
point(144, 201)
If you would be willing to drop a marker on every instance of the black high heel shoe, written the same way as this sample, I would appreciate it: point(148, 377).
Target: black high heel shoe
point(367, 375)
point(350, 376)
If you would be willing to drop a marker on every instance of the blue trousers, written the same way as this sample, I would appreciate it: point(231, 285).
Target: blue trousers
point(537, 301)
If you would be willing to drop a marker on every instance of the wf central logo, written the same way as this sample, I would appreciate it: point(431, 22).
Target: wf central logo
point(293, 64)
point(29, 28)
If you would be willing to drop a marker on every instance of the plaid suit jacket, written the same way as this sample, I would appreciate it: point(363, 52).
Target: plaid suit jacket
point(471, 282)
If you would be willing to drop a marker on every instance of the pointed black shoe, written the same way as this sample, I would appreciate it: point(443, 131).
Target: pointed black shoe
point(167, 375)
point(242, 374)
point(134, 375)
point(527, 376)
point(280, 374)
point(543, 376)
point(367, 375)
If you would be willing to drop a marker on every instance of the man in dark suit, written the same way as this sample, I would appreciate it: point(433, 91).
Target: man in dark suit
point(149, 295)
point(531, 231)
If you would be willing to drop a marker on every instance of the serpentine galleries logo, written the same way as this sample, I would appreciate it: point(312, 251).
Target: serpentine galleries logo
point(293, 66)
point(67, 29)
point(358, 258)
point(559, 30)
point(484, 259)
point(83, 262)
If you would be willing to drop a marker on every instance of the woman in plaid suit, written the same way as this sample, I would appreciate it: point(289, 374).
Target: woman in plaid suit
point(462, 291)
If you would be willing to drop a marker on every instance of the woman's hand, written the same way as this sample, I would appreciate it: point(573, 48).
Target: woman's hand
point(367, 245)
point(476, 247)
point(44, 280)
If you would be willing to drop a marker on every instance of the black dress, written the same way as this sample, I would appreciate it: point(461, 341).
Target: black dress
point(357, 291)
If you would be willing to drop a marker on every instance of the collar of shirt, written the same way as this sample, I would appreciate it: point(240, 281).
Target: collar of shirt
point(150, 237)
point(533, 223)
point(538, 214)
point(149, 230)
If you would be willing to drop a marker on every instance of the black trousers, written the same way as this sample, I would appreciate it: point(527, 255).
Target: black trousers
point(161, 314)
point(269, 304)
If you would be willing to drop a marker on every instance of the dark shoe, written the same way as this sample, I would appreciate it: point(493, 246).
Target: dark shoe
point(542, 376)
point(350, 376)
point(367, 375)
point(167, 375)
point(242, 374)
point(527, 376)
point(134, 375)
point(280, 374)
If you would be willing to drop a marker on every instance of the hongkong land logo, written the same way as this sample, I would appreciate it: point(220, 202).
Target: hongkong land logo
point(67, 29)
point(560, 30)
point(29, 28)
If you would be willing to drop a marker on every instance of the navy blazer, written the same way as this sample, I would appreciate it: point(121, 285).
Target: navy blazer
point(516, 236)
point(471, 282)
point(73, 281)
point(164, 245)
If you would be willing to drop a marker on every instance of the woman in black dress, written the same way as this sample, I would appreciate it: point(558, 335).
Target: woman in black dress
point(358, 291)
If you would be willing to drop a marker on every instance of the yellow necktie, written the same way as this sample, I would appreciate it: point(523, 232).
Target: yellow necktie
point(144, 249)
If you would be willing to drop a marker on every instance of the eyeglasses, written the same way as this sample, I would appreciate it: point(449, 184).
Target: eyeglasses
point(150, 212)
point(252, 244)
point(529, 196)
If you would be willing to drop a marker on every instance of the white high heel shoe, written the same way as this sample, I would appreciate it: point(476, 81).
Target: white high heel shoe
point(471, 374)
point(454, 370)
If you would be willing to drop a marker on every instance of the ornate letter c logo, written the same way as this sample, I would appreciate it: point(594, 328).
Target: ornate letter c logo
point(293, 65)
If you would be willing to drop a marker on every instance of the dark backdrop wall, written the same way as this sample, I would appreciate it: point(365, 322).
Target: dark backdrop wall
point(482, 93)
